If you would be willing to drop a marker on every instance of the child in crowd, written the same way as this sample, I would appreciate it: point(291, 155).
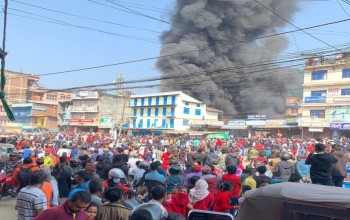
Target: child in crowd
point(222, 203)
point(91, 211)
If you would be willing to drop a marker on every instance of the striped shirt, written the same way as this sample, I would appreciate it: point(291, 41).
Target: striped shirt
point(29, 200)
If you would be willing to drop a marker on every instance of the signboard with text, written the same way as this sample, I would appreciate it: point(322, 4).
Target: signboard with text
point(340, 126)
point(257, 117)
point(236, 122)
point(333, 92)
point(315, 99)
point(80, 120)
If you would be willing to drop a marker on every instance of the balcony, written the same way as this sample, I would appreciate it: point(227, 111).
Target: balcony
point(84, 109)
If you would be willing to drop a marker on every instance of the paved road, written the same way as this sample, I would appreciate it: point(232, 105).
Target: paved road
point(7, 208)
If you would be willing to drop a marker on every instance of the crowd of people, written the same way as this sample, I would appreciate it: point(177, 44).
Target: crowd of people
point(88, 176)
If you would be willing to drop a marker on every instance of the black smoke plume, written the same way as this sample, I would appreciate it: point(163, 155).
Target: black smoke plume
point(229, 74)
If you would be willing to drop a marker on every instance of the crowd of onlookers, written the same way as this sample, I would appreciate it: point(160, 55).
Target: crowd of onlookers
point(91, 176)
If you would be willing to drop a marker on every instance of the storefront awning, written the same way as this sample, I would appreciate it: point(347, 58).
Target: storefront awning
point(230, 127)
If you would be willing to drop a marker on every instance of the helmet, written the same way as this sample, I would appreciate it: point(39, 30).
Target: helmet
point(144, 165)
point(151, 210)
point(285, 156)
point(116, 173)
point(75, 160)
point(13, 154)
point(174, 169)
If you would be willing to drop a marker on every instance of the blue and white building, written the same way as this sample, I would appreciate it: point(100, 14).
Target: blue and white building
point(166, 111)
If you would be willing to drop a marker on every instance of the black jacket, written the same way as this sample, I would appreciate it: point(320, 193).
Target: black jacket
point(321, 165)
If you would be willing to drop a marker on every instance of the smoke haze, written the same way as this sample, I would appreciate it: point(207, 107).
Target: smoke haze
point(221, 26)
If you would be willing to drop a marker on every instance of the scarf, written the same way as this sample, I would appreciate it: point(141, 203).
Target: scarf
point(199, 192)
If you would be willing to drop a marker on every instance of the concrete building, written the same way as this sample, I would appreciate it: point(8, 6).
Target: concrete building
point(31, 104)
point(167, 111)
point(326, 106)
point(91, 111)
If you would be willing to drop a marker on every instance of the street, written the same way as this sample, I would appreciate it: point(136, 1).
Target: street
point(7, 208)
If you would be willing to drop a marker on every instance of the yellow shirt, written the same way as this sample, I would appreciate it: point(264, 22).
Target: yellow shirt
point(48, 162)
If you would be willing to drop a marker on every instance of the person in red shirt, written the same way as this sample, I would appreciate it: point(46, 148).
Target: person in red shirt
point(180, 202)
point(165, 160)
point(235, 181)
point(200, 197)
point(223, 201)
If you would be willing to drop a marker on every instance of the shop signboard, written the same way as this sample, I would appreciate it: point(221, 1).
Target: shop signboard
point(313, 123)
point(315, 99)
point(333, 92)
point(80, 120)
point(256, 122)
point(236, 122)
point(39, 108)
point(218, 135)
point(340, 126)
point(106, 122)
point(339, 113)
point(316, 129)
point(257, 117)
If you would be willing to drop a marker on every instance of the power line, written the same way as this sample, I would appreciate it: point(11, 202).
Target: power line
point(303, 30)
point(343, 8)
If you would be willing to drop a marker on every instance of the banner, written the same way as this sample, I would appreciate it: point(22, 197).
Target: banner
point(339, 113)
point(340, 126)
point(315, 99)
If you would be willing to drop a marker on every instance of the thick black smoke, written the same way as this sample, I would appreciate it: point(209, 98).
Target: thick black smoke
point(246, 86)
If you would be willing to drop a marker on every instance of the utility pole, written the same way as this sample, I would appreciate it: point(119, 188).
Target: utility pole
point(119, 83)
point(126, 97)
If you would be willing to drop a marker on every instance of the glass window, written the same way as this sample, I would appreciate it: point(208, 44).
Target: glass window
point(317, 113)
point(172, 123)
point(149, 112)
point(148, 123)
point(141, 112)
point(346, 73)
point(134, 123)
point(156, 111)
point(142, 101)
point(185, 122)
point(164, 111)
point(197, 112)
point(135, 102)
point(164, 123)
point(155, 123)
point(150, 101)
point(173, 100)
point(345, 91)
point(135, 112)
point(172, 113)
point(141, 123)
point(319, 75)
point(198, 105)
point(294, 110)
point(186, 111)
point(319, 93)
point(165, 100)
point(157, 100)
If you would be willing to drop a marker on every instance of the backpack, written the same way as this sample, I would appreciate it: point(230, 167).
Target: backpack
point(24, 176)
point(173, 181)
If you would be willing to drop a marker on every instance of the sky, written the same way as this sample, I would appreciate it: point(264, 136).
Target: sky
point(42, 42)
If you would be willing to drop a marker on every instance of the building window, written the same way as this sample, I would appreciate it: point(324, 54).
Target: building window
point(319, 75)
point(198, 105)
point(187, 104)
point(51, 97)
point(135, 112)
point(134, 123)
point(345, 91)
point(148, 123)
point(186, 122)
point(317, 113)
point(186, 111)
point(156, 112)
point(172, 123)
point(141, 112)
point(164, 123)
point(135, 102)
point(294, 110)
point(172, 113)
point(164, 111)
point(157, 100)
point(155, 123)
point(173, 100)
point(319, 93)
point(165, 100)
point(197, 112)
point(142, 101)
point(346, 73)
point(150, 101)
point(141, 123)
point(149, 112)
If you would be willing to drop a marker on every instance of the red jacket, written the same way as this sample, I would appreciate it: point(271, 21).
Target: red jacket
point(222, 203)
point(179, 203)
point(165, 157)
point(205, 203)
point(213, 185)
point(236, 181)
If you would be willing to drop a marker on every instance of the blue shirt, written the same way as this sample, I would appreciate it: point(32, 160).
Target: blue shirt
point(26, 153)
point(154, 175)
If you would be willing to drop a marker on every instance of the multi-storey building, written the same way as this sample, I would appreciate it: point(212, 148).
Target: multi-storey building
point(93, 111)
point(326, 106)
point(166, 111)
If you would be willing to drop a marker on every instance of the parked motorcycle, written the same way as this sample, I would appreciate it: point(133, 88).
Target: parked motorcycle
point(8, 186)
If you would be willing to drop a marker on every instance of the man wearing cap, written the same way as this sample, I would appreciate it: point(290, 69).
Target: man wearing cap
point(196, 172)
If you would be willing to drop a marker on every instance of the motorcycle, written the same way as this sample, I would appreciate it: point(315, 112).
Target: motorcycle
point(7, 186)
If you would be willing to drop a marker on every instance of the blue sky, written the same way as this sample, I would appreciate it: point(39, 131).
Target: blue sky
point(40, 47)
